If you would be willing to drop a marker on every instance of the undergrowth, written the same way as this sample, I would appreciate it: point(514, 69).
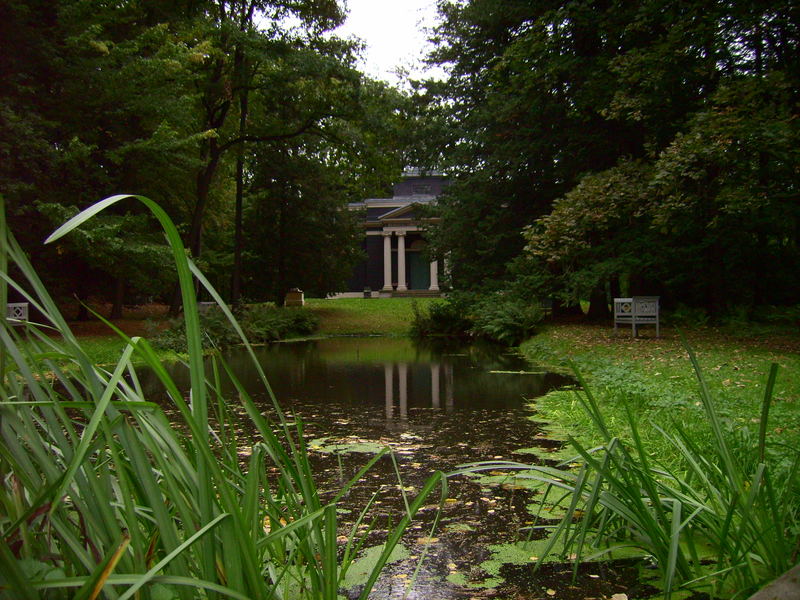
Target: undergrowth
point(261, 323)
point(498, 317)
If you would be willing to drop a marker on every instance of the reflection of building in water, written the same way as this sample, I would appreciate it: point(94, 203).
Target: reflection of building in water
point(398, 406)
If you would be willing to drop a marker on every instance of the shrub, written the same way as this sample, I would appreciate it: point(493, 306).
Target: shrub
point(497, 317)
point(507, 320)
point(449, 317)
point(261, 323)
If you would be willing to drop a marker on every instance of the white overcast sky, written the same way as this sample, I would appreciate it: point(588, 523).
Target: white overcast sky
point(394, 34)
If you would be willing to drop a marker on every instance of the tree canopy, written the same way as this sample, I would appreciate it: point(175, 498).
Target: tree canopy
point(600, 145)
point(182, 102)
point(595, 146)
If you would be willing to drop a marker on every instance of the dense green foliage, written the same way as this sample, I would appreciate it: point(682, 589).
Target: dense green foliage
point(222, 110)
point(604, 147)
point(261, 323)
point(497, 317)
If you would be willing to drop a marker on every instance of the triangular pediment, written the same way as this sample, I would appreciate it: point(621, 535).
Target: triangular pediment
point(403, 212)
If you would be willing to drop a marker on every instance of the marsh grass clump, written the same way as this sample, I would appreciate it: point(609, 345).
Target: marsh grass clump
point(103, 496)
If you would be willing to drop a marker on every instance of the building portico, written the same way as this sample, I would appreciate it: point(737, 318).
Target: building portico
point(394, 240)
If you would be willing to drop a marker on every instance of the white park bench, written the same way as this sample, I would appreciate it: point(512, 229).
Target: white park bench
point(16, 312)
point(636, 311)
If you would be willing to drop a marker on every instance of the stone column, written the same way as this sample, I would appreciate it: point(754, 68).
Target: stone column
point(401, 261)
point(387, 261)
point(435, 401)
point(434, 276)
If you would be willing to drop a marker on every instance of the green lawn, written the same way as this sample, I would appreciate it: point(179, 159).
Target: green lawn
point(374, 316)
point(655, 377)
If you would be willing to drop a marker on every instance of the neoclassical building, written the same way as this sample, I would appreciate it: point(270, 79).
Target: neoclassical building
point(394, 239)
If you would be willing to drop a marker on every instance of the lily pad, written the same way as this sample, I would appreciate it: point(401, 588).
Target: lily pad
point(345, 446)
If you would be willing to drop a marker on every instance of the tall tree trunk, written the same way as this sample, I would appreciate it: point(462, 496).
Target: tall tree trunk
point(614, 287)
point(194, 240)
point(598, 304)
point(119, 298)
point(236, 279)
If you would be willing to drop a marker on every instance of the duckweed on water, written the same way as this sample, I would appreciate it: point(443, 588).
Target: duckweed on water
point(361, 568)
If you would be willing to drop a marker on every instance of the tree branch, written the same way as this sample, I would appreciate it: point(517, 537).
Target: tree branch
point(307, 127)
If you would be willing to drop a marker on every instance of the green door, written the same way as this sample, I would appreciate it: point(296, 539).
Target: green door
point(419, 271)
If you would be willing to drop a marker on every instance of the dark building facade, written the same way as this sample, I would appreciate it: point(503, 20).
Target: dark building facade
point(394, 239)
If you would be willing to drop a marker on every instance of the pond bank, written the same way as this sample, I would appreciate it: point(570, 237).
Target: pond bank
point(648, 397)
point(655, 376)
point(345, 316)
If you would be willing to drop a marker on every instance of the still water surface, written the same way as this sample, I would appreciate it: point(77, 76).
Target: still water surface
point(436, 408)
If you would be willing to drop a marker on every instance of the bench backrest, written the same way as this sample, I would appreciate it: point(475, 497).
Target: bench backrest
point(642, 309)
point(17, 311)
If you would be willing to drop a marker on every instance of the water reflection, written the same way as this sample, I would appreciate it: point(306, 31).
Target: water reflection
point(395, 373)
point(436, 407)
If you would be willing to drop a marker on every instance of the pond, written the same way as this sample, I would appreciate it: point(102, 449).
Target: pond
point(436, 408)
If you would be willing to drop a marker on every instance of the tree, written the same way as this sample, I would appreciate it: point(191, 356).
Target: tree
point(86, 91)
point(526, 92)
point(299, 232)
point(128, 250)
point(712, 222)
point(169, 100)
point(643, 143)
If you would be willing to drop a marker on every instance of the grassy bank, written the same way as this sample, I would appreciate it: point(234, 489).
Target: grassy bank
point(359, 316)
point(655, 378)
point(345, 316)
point(688, 451)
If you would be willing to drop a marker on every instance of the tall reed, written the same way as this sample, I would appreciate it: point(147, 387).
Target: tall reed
point(103, 497)
point(725, 521)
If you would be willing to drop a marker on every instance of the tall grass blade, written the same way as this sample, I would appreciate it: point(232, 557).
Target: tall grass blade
point(99, 463)
point(765, 404)
point(94, 585)
point(170, 557)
